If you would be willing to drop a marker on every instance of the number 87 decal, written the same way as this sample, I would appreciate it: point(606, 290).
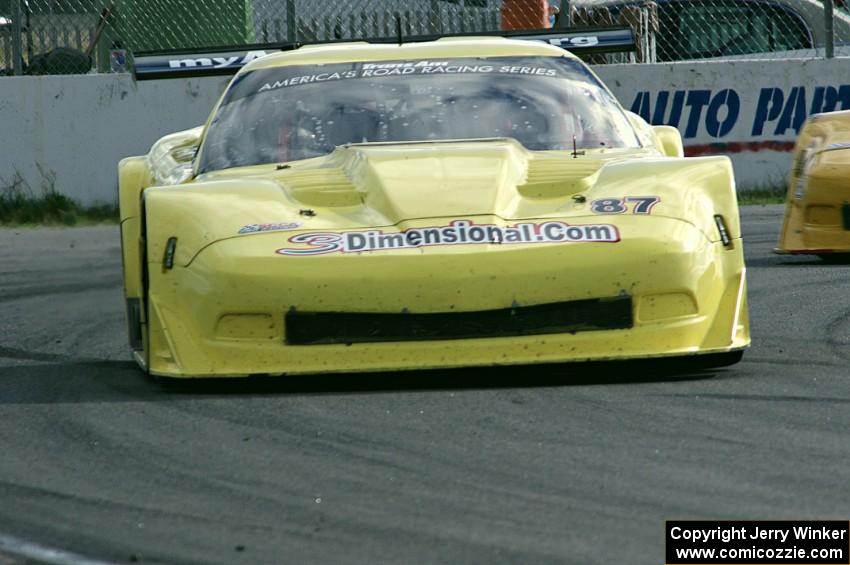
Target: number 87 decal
point(642, 205)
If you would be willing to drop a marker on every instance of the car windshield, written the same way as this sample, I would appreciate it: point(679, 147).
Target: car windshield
point(289, 113)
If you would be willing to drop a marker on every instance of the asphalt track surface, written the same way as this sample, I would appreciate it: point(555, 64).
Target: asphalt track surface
point(524, 465)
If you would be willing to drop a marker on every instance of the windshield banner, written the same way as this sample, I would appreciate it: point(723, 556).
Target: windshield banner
point(278, 78)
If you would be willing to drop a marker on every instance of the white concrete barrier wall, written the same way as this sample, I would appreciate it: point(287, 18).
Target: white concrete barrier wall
point(68, 133)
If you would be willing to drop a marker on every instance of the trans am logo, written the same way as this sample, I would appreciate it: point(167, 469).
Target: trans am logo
point(459, 232)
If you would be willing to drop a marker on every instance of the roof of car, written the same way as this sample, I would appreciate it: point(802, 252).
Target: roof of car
point(454, 47)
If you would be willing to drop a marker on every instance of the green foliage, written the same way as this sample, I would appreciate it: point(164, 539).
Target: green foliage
point(762, 195)
point(51, 208)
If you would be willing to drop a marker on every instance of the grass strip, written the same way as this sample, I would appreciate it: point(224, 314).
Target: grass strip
point(51, 209)
point(762, 195)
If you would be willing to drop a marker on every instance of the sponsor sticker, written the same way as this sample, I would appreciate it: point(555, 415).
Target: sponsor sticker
point(458, 232)
point(254, 228)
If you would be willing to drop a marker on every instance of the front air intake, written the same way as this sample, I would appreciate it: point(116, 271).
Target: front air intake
point(321, 328)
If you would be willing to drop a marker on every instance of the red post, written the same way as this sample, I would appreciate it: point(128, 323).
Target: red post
point(525, 14)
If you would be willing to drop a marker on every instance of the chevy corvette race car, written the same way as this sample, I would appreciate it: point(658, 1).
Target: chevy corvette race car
point(459, 202)
point(817, 205)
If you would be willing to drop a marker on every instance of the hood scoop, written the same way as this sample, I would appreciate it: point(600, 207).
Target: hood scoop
point(440, 179)
point(554, 177)
point(324, 187)
point(398, 182)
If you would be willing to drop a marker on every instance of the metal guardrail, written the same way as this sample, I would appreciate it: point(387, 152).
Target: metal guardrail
point(79, 36)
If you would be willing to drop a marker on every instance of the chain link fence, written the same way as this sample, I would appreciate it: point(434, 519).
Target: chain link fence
point(81, 36)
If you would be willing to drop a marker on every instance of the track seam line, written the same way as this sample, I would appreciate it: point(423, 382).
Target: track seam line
point(20, 548)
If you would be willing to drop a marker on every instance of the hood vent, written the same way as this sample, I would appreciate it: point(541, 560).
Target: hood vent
point(325, 187)
point(558, 177)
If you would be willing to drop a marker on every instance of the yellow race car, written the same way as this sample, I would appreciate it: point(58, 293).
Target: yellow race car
point(459, 202)
point(817, 206)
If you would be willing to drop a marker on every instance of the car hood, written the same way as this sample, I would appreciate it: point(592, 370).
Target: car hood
point(384, 185)
point(404, 181)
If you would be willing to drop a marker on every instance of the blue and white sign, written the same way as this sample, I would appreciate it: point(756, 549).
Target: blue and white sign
point(751, 110)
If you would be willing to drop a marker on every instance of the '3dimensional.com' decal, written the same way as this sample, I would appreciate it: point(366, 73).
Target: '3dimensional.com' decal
point(459, 232)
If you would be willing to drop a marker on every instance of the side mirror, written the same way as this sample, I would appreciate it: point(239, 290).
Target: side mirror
point(669, 140)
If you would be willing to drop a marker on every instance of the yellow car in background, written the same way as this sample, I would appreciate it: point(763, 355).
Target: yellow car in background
point(817, 208)
point(451, 203)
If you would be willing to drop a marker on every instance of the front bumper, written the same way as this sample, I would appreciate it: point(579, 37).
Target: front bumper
point(224, 314)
